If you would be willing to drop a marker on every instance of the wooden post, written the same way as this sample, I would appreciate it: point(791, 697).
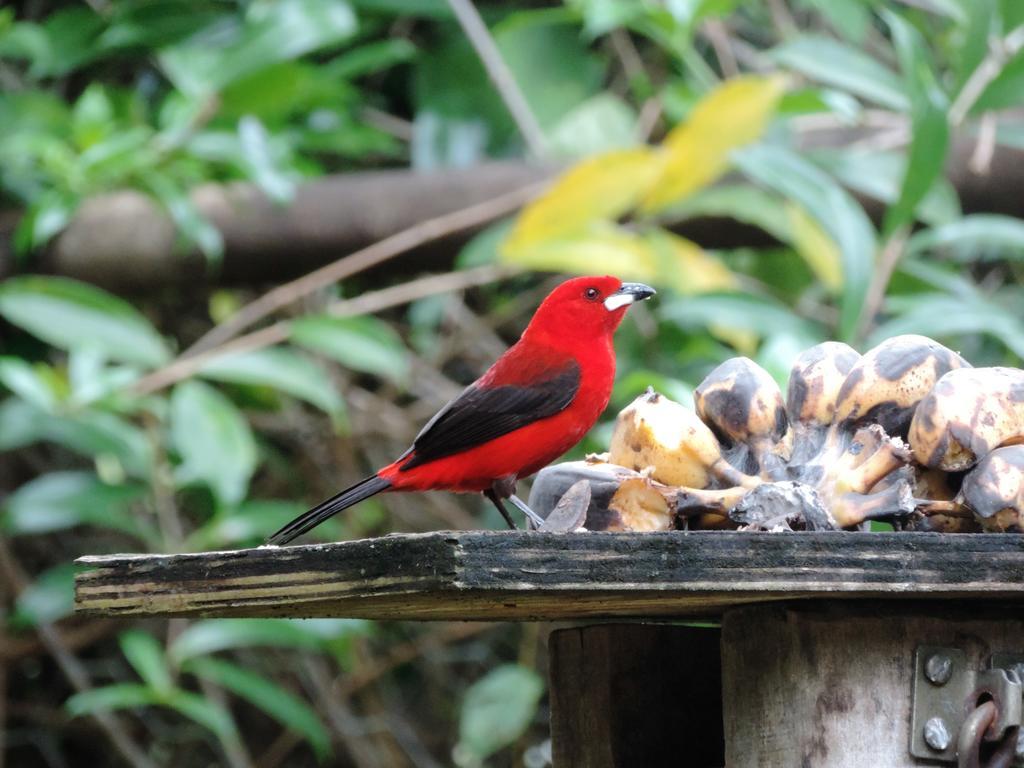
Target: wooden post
point(825, 685)
point(820, 683)
point(635, 695)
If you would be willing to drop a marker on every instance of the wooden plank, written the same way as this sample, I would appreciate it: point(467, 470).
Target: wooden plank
point(830, 686)
point(523, 575)
point(635, 695)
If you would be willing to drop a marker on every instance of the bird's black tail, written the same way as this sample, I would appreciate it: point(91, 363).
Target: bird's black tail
point(364, 489)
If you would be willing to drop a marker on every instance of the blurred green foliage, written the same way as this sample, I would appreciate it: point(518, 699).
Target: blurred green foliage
point(665, 112)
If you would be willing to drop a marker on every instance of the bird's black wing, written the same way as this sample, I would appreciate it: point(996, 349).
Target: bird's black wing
point(480, 414)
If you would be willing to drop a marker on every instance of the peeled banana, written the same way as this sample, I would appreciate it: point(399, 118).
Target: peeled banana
point(743, 405)
point(887, 435)
point(994, 490)
point(814, 383)
point(661, 436)
point(968, 414)
point(887, 383)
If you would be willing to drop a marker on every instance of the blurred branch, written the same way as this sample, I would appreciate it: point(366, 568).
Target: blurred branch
point(650, 114)
point(363, 752)
point(981, 158)
point(13, 649)
point(1000, 51)
point(418, 234)
point(503, 79)
point(718, 35)
point(190, 364)
point(125, 241)
point(350, 683)
point(782, 19)
point(625, 50)
point(889, 257)
point(382, 121)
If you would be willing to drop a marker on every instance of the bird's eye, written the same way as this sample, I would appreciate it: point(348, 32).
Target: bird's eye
point(591, 294)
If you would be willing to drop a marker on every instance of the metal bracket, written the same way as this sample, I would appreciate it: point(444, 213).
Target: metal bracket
point(946, 691)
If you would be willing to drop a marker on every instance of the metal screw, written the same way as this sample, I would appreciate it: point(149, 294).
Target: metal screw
point(938, 668)
point(936, 734)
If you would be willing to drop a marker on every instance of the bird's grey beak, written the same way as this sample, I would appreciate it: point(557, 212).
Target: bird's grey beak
point(628, 294)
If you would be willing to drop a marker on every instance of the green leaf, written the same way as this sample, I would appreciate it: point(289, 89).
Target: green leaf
point(815, 247)
point(741, 312)
point(29, 382)
point(839, 214)
point(945, 278)
point(91, 379)
point(213, 440)
point(553, 67)
point(364, 344)
point(742, 202)
point(250, 522)
point(280, 368)
point(879, 175)
point(60, 500)
point(193, 227)
point(431, 9)
point(943, 316)
point(62, 43)
point(850, 18)
point(49, 598)
point(600, 124)
point(146, 655)
point(282, 705)
point(974, 237)
point(930, 127)
point(261, 163)
point(93, 117)
point(484, 246)
point(496, 711)
point(458, 114)
point(975, 32)
point(44, 218)
point(371, 58)
point(153, 24)
point(89, 432)
point(69, 314)
point(272, 32)
point(204, 712)
point(205, 637)
point(111, 697)
point(834, 63)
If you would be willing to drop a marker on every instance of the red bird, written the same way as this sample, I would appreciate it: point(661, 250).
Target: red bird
point(536, 402)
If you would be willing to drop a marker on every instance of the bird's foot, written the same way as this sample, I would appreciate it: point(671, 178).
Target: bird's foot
point(532, 516)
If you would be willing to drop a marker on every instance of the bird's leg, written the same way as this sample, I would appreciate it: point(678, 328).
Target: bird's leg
point(534, 518)
point(504, 488)
point(496, 500)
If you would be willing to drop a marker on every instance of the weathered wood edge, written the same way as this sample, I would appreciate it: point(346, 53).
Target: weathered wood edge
point(481, 575)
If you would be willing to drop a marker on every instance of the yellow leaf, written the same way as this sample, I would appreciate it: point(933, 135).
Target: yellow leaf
point(743, 341)
point(685, 266)
point(815, 247)
point(602, 248)
point(601, 187)
point(697, 151)
point(655, 256)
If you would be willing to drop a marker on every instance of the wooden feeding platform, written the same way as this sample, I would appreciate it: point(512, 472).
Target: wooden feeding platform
point(818, 644)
